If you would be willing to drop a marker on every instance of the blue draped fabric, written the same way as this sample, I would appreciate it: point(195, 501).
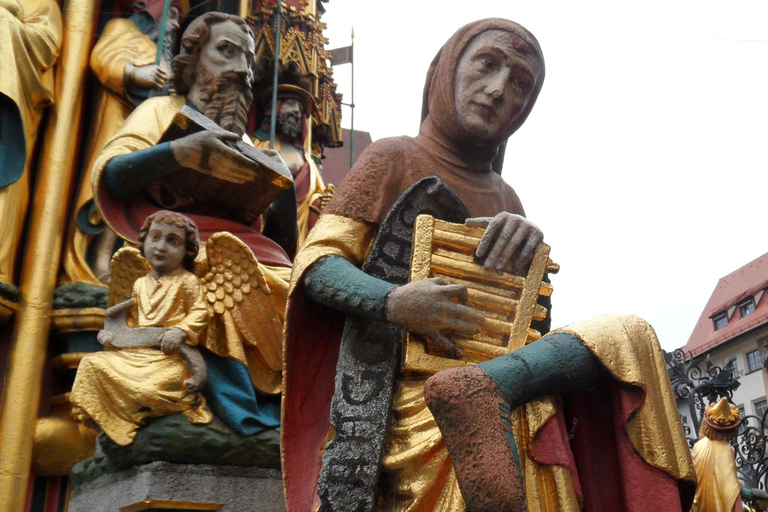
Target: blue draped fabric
point(13, 145)
point(231, 397)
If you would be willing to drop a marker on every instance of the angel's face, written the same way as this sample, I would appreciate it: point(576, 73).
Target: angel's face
point(164, 247)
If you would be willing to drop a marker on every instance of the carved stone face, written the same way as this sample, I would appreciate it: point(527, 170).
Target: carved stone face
point(164, 247)
point(494, 80)
point(290, 116)
point(229, 49)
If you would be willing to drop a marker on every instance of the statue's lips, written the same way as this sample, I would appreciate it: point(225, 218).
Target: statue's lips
point(487, 110)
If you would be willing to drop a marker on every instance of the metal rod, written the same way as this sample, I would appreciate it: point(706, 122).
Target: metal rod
point(352, 105)
point(161, 39)
point(278, 37)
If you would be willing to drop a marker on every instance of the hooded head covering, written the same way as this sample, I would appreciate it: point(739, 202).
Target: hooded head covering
point(438, 110)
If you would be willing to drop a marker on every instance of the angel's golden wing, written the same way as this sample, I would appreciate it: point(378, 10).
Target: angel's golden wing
point(126, 267)
point(246, 324)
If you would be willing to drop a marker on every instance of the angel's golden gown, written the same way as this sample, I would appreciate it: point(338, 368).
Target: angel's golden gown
point(120, 389)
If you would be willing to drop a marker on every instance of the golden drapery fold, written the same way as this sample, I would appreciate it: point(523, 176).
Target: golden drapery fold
point(719, 486)
point(121, 43)
point(333, 235)
point(30, 38)
point(174, 300)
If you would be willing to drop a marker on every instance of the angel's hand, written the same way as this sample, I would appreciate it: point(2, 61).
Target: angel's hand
point(208, 152)
point(171, 340)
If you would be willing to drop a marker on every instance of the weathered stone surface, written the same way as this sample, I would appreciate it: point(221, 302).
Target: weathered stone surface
point(175, 439)
point(368, 358)
point(238, 489)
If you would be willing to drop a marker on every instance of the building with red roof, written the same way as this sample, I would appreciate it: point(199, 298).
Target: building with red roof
point(733, 329)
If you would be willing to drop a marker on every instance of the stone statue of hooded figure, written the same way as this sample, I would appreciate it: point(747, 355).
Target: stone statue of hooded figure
point(480, 89)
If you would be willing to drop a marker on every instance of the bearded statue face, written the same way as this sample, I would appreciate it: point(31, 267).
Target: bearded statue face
point(290, 117)
point(224, 75)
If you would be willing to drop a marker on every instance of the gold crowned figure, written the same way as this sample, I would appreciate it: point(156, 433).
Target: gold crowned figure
point(719, 487)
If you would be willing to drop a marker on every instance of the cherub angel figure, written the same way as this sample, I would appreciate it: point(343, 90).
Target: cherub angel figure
point(150, 368)
point(168, 315)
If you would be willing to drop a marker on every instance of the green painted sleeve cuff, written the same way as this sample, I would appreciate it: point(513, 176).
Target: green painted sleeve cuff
point(338, 284)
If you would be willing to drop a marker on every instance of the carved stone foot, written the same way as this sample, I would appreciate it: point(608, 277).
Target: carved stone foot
point(474, 419)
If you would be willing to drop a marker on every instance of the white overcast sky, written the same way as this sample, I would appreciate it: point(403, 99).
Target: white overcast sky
point(644, 160)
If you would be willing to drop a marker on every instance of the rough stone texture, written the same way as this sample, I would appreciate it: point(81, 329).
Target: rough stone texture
point(474, 420)
point(238, 489)
point(368, 359)
point(175, 439)
point(79, 295)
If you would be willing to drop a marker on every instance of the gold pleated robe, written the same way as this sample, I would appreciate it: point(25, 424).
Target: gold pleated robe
point(30, 39)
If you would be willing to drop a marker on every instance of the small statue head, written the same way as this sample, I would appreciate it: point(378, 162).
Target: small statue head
point(215, 68)
point(484, 81)
point(169, 240)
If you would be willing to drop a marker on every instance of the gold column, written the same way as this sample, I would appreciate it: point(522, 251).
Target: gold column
point(245, 8)
point(21, 394)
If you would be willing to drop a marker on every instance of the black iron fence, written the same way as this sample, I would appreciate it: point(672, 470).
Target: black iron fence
point(700, 388)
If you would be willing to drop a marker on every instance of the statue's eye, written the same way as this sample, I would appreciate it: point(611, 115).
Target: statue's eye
point(227, 49)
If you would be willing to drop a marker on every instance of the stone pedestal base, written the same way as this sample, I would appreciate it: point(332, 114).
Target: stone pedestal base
point(191, 487)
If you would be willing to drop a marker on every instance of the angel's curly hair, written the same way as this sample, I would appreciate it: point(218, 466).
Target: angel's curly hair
point(191, 238)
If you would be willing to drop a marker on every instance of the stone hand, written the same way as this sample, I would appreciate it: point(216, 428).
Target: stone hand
point(207, 152)
point(434, 307)
point(507, 237)
point(105, 337)
point(171, 340)
point(149, 77)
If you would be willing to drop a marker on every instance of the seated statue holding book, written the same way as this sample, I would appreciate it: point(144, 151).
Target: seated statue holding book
point(187, 153)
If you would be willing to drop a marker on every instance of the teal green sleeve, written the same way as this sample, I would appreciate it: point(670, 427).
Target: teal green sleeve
point(338, 284)
point(125, 175)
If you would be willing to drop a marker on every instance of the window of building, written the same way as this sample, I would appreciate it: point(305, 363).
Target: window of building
point(733, 366)
point(746, 308)
point(742, 411)
point(721, 321)
point(760, 407)
point(753, 361)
